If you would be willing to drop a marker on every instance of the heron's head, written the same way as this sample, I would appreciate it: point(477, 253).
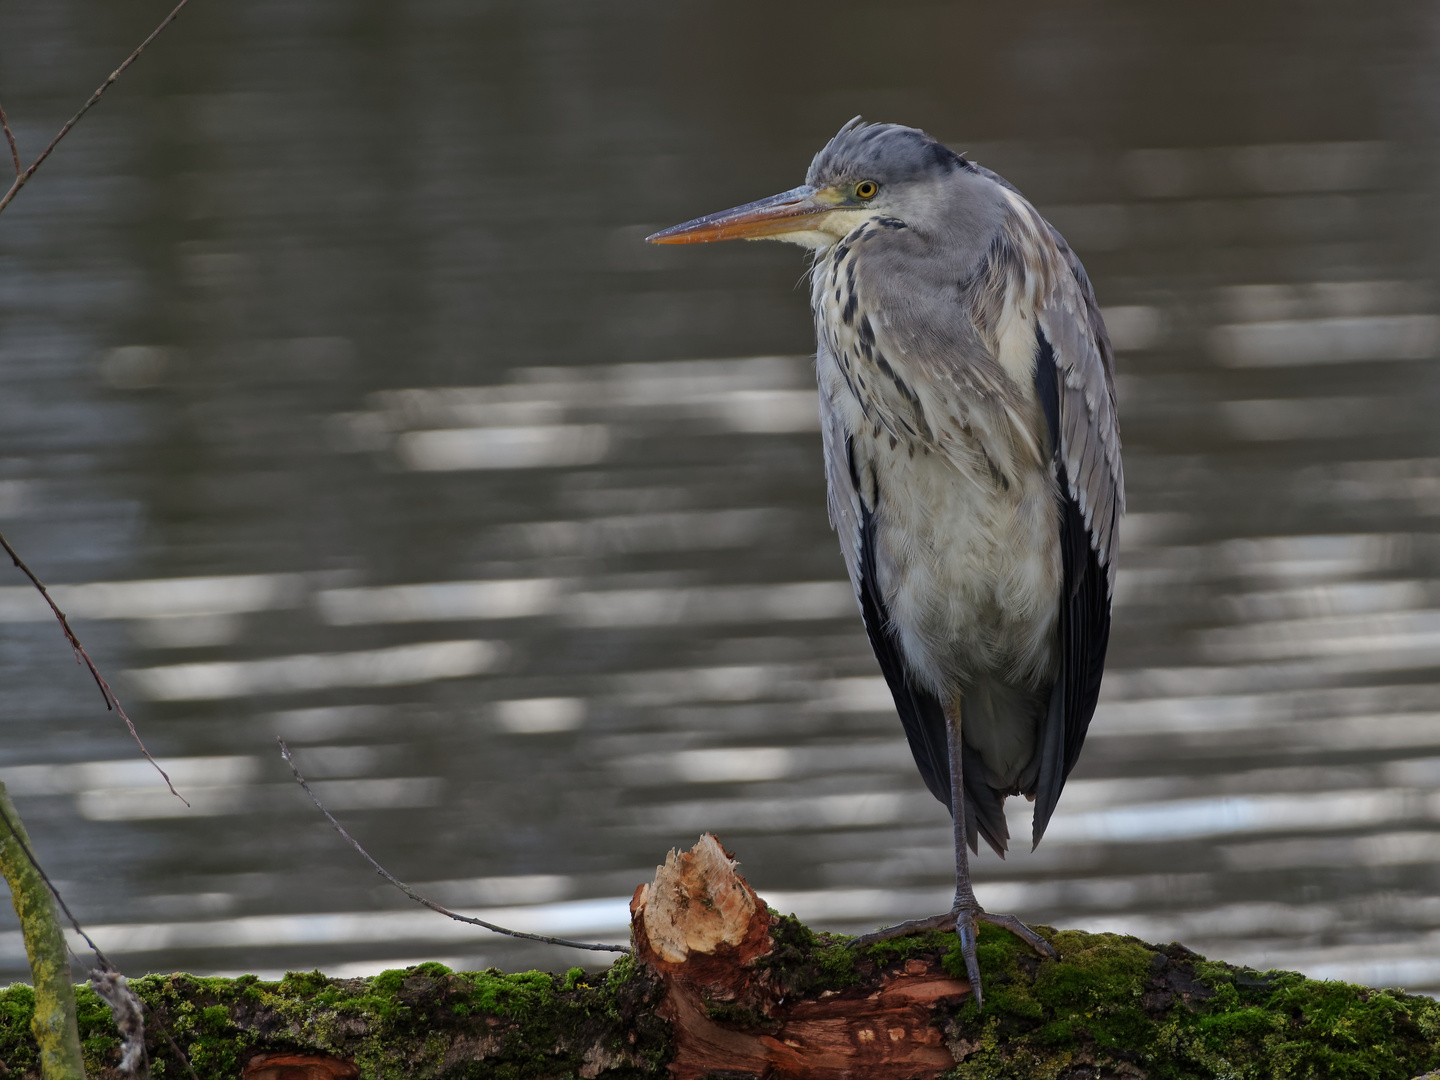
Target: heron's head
point(867, 171)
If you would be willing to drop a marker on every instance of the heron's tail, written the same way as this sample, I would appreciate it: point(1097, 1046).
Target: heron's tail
point(1000, 724)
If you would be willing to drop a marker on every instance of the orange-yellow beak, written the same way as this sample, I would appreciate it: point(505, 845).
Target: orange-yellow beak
point(789, 212)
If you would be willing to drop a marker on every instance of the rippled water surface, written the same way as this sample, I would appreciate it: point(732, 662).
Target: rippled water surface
point(341, 401)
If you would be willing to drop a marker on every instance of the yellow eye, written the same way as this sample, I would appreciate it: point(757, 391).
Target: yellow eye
point(866, 189)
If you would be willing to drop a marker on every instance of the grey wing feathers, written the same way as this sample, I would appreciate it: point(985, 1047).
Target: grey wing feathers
point(1088, 428)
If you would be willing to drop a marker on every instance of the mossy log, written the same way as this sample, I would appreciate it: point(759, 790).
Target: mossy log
point(721, 986)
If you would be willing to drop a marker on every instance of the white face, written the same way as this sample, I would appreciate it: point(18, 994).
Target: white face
point(826, 230)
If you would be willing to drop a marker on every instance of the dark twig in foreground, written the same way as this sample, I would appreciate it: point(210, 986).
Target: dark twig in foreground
point(10, 138)
point(106, 967)
point(421, 900)
point(21, 178)
point(81, 656)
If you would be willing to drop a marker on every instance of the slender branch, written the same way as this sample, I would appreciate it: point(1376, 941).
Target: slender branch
point(64, 907)
point(105, 963)
point(81, 656)
point(53, 1026)
point(22, 178)
point(421, 900)
point(10, 138)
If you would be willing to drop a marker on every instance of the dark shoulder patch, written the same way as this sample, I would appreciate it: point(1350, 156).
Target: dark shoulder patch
point(1047, 389)
point(944, 157)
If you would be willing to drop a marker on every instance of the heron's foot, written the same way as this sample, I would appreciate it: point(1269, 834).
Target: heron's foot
point(963, 919)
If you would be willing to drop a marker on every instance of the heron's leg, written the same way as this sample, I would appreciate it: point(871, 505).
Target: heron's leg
point(966, 912)
point(967, 908)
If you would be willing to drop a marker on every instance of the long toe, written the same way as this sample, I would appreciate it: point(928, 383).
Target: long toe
point(965, 929)
point(1020, 930)
point(905, 929)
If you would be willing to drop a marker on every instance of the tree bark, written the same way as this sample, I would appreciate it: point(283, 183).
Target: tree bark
point(719, 986)
point(52, 1021)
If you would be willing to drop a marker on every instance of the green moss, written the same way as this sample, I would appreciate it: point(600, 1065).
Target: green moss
point(574, 979)
point(17, 1048)
point(936, 942)
point(1111, 1006)
point(1117, 1004)
point(99, 1040)
point(402, 1023)
point(805, 963)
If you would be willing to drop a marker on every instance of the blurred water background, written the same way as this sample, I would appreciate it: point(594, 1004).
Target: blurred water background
point(340, 392)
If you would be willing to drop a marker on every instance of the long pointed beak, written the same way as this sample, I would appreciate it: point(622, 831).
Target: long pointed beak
point(790, 211)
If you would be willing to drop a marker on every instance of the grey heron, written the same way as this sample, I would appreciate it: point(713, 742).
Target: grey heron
point(972, 457)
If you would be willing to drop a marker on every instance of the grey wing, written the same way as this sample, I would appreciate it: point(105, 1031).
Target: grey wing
point(1089, 427)
point(1074, 379)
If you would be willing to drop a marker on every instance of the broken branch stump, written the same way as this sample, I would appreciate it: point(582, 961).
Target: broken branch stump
point(737, 1010)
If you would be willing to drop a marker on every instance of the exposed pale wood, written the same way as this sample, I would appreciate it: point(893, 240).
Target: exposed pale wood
point(701, 928)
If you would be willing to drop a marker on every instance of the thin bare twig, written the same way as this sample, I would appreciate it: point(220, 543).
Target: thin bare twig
point(10, 138)
point(22, 178)
point(105, 963)
point(421, 900)
point(81, 656)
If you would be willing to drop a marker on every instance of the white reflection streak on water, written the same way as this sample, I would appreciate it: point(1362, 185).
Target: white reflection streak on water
point(161, 598)
point(454, 449)
point(217, 786)
point(398, 665)
point(1328, 341)
point(444, 600)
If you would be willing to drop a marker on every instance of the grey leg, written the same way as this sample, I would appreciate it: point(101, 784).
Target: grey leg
point(967, 912)
point(966, 908)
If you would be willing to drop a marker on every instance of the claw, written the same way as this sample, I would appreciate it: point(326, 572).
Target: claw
point(965, 930)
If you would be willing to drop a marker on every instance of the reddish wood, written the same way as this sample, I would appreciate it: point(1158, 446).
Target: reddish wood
point(299, 1067)
point(701, 927)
